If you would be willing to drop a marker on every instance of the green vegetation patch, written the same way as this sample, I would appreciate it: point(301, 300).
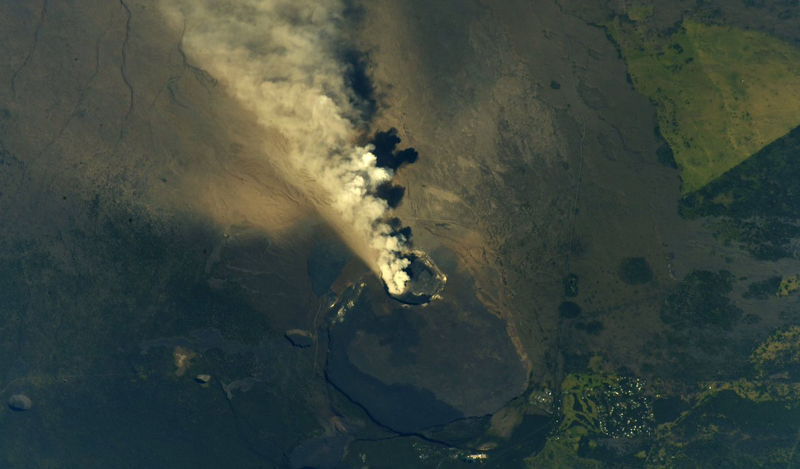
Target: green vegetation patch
point(789, 285)
point(780, 353)
point(596, 404)
point(721, 94)
point(700, 300)
point(604, 416)
point(569, 310)
point(763, 289)
point(727, 430)
point(579, 401)
point(558, 455)
point(766, 239)
point(635, 271)
point(738, 423)
point(755, 205)
point(764, 185)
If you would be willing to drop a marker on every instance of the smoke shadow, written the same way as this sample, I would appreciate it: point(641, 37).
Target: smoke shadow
point(389, 157)
point(385, 143)
point(391, 193)
point(398, 229)
point(358, 80)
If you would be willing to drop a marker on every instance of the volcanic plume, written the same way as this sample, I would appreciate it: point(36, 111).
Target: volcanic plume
point(284, 61)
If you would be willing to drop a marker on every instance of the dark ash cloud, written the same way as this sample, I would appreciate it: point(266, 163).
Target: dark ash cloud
point(386, 152)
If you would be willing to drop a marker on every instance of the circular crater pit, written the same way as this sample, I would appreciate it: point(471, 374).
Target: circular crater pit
point(426, 283)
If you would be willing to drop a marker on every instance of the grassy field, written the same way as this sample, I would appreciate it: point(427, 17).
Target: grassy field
point(557, 455)
point(721, 94)
point(789, 285)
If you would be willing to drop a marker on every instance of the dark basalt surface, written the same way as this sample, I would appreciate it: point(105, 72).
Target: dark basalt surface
point(414, 367)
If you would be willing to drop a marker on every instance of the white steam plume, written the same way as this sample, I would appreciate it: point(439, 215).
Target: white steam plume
point(279, 59)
